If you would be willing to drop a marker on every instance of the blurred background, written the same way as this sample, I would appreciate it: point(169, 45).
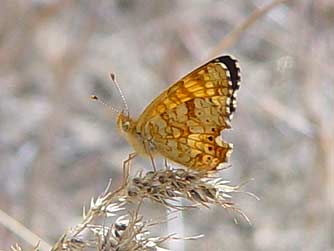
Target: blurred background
point(58, 149)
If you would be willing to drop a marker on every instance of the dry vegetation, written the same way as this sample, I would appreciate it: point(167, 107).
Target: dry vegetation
point(58, 150)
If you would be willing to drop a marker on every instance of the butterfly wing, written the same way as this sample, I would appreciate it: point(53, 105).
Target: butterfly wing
point(184, 123)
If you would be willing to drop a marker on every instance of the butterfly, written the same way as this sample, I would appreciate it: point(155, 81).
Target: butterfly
point(184, 123)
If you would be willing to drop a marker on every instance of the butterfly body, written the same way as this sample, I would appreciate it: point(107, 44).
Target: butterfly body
point(184, 123)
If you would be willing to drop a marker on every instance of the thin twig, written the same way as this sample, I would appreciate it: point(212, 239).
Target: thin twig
point(21, 231)
point(235, 34)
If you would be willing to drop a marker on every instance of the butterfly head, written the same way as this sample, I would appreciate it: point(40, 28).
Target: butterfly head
point(127, 127)
point(125, 123)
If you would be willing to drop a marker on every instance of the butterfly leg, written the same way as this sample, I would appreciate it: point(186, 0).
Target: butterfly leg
point(126, 167)
point(149, 152)
point(152, 161)
point(167, 166)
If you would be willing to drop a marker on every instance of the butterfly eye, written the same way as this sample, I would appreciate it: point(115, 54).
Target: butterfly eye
point(126, 126)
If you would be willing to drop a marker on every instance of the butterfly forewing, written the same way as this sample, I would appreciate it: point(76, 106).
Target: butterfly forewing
point(184, 123)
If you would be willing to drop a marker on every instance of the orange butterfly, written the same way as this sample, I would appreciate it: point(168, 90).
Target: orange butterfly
point(184, 122)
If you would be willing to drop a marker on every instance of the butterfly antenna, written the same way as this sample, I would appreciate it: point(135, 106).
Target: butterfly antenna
point(96, 98)
point(125, 104)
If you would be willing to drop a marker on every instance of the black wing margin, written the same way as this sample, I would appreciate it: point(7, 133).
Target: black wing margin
point(234, 79)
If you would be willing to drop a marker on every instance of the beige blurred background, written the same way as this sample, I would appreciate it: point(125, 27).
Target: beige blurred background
point(58, 149)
